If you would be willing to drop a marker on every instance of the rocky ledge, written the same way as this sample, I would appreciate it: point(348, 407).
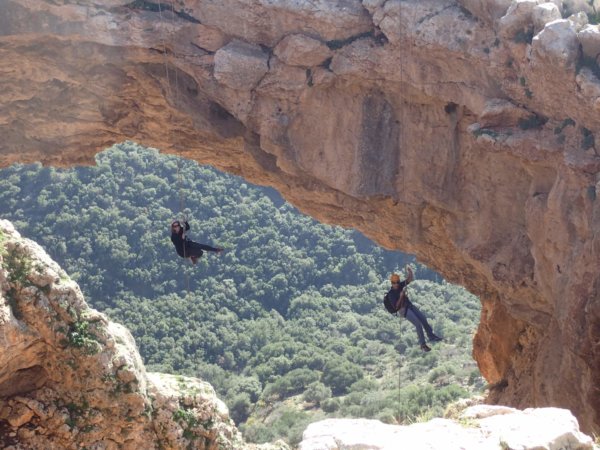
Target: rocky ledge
point(480, 427)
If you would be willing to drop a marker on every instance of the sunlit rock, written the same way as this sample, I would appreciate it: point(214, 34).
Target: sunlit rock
point(557, 44)
point(479, 427)
point(589, 37)
point(543, 14)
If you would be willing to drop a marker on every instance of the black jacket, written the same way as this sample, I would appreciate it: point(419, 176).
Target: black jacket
point(178, 240)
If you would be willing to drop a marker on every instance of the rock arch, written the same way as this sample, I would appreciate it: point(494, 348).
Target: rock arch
point(460, 131)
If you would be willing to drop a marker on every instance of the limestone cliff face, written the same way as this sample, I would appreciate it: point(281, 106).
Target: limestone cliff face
point(459, 130)
point(72, 379)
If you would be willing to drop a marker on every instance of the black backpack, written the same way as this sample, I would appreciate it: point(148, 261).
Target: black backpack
point(387, 302)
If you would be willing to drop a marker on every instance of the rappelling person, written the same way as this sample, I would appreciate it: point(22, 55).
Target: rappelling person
point(186, 248)
point(396, 301)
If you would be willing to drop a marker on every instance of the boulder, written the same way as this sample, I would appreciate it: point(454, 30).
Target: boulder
point(579, 20)
point(240, 65)
point(518, 19)
point(556, 45)
point(543, 14)
point(301, 50)
point(589, 36)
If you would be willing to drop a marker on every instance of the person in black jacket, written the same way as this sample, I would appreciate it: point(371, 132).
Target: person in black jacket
point(186, 248)
point(404, 308)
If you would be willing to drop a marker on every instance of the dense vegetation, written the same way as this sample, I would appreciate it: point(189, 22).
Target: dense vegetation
point(287, 325)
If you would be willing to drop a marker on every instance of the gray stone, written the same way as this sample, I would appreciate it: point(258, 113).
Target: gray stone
point(518, 17)
point(301, 50)
point(240, 65)
point(372, 5)
point(589, 37)
point(487, 10)
point(543, 14)
point(579, 20)
point(557, 44)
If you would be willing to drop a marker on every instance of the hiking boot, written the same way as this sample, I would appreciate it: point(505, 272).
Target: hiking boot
point(425, 348)
point(435, 338)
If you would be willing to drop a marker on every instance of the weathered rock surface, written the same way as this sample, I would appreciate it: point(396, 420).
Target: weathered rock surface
point(300, 50)
point(463, 131)
point(477, 428)
point(71, 379)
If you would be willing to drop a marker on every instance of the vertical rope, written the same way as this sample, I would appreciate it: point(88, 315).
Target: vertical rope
point(164, 46)
point(180, 179)
point(400, 368)
point(404, 103)
point(402, 153)
point(170, 94)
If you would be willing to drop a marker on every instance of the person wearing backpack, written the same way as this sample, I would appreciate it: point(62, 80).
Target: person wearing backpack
point(186, 248)
point(396, 301)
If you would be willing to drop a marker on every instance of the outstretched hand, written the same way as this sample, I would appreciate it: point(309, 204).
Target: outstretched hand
point(410, 276)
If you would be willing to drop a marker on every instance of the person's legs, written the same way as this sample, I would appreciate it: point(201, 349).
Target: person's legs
point(209, 248)
point(196, 249)
point(421, 317)
point(414, 319)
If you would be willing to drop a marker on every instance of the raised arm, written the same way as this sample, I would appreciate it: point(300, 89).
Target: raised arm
point(410, 277)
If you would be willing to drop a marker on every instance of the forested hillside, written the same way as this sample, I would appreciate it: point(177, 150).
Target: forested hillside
point(287, 324)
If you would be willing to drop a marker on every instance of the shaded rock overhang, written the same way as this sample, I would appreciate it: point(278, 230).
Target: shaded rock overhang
point(460, 131)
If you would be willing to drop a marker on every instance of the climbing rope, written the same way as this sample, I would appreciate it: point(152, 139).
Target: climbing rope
point(179, 157)
point(176, 97)
point(179, 153)
point(400, 369)
point(400, 354)
point(403, 150)
point(403, 112)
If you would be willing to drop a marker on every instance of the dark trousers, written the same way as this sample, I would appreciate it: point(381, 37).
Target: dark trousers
point(418, 319)
point(196, 249)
